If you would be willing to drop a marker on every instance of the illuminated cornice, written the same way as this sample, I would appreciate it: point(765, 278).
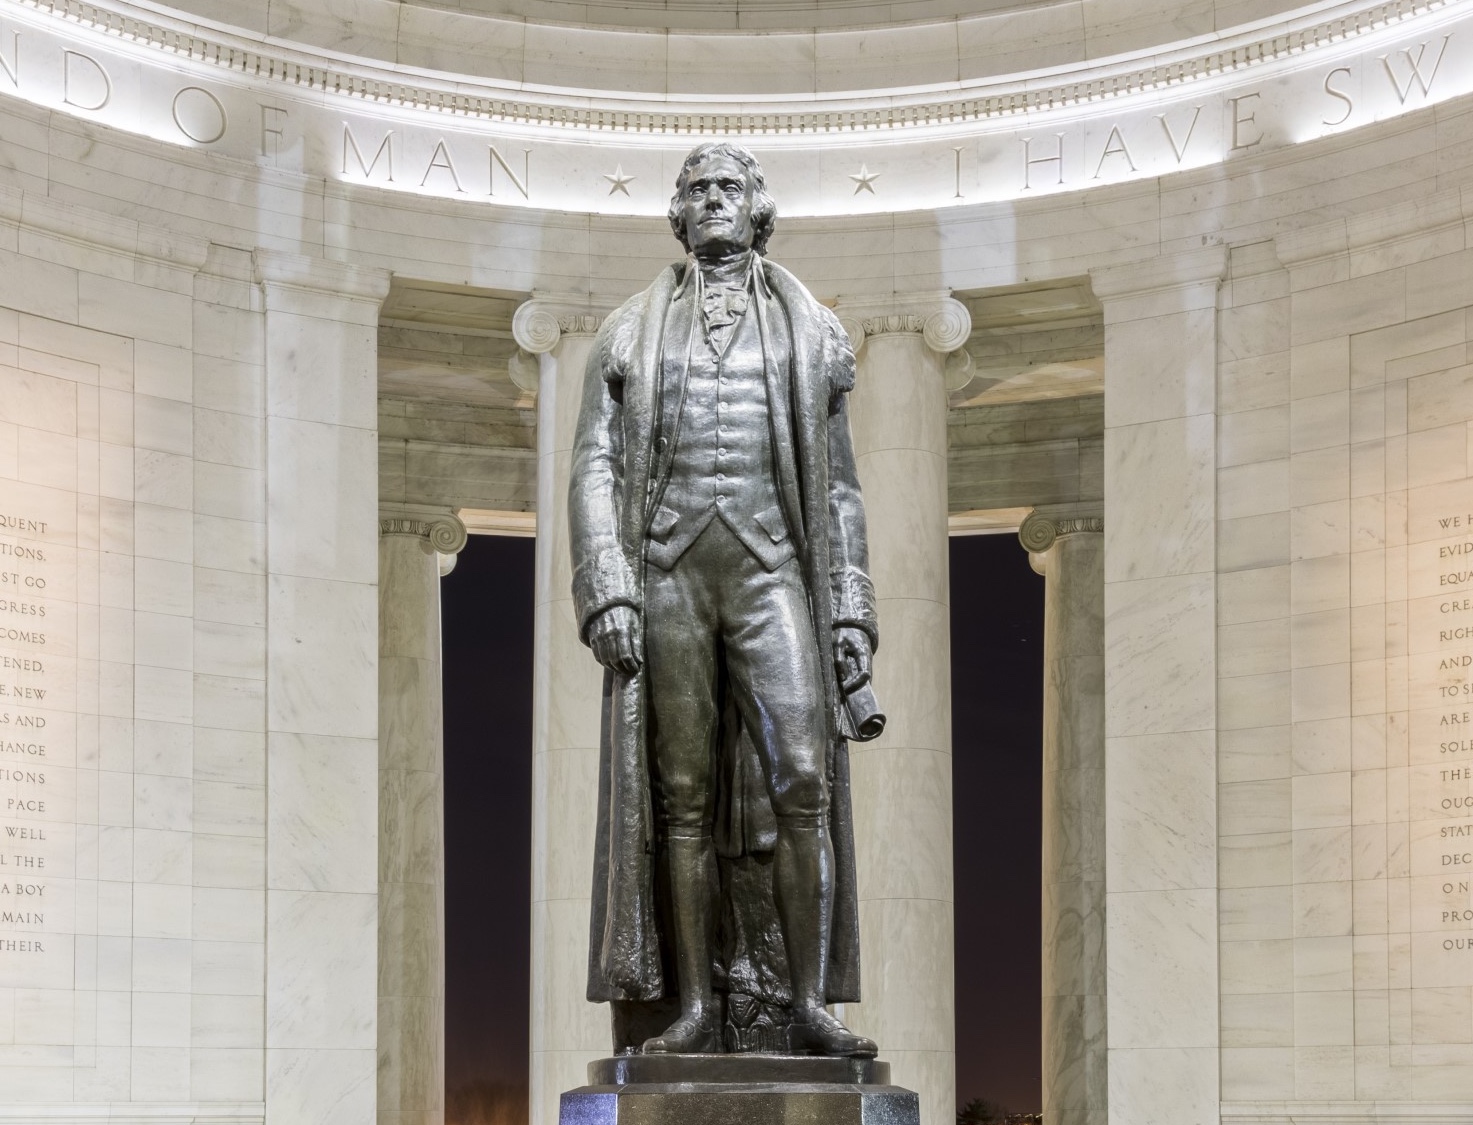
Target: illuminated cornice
point(1324, 70)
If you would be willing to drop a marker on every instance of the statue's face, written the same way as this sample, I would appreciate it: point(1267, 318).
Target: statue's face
point(718, 207)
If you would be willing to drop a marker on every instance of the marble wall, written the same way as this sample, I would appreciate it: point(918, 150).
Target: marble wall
point(189, 881)
point(134, 754)
point(1343, 479)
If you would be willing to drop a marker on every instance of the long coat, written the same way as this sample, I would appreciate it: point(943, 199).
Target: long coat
point(619, 455)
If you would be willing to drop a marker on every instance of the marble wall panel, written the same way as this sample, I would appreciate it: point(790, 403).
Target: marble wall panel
point(142, 1025)
point(1169, 525)
point(857, 60)
point(1160, 794)
point(322, 681)
point(335, 1087)
point(1161, 697)
point(1168, 1013)
point(461, 43)
point(1374, 397)
point(1158, 619)
point(324, 815)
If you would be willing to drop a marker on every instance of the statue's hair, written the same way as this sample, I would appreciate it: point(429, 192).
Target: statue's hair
point(764, 210)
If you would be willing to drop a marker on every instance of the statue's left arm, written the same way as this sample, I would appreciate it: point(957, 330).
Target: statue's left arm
point(856, 626)
point(605, 594)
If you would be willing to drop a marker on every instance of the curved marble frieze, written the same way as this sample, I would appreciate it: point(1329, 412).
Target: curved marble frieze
point(329, 115)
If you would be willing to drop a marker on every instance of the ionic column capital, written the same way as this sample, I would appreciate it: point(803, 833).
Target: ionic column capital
point(1046, 524)
point(539, 325)
point(438, 530)
point(943, 322)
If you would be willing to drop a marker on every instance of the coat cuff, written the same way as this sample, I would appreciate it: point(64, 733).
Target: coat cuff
point(854, 602)
point(599, 583)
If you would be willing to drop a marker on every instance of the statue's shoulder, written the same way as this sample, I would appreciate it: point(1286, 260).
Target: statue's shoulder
point(801, 303)
point(621, 331)
point(837, 359)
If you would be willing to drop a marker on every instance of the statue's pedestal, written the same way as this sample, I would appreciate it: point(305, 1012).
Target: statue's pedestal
point(738, 1090)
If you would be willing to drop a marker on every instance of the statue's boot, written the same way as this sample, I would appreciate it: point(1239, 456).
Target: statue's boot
point(691, 856)
point(815, 1032)
point(697, 1033)
point(804, 879)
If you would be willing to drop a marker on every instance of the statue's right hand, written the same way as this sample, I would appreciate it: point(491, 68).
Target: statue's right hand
point(615, 639)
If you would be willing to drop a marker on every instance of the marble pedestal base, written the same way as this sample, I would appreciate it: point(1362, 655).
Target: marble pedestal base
point(738, 1090)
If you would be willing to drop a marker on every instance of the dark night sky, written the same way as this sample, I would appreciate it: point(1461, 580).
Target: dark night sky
point(997, 692)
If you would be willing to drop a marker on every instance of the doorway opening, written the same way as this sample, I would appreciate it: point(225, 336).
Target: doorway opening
point(486, 638)
point(997, 825)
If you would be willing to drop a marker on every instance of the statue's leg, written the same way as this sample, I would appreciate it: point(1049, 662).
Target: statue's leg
point(778, 684)
point(680, 652)
point(691, 860)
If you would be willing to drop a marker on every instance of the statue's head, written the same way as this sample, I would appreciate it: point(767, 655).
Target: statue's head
point(721, 201)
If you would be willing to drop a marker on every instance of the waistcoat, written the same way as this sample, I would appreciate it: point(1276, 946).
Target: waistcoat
point(722, 466)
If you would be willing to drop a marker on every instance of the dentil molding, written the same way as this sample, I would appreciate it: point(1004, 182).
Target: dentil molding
point(322, 71)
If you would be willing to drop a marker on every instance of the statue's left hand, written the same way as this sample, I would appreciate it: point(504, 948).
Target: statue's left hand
point(616, 639)
point(852, 657)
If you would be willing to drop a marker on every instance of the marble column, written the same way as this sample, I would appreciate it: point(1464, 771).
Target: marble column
point(1067, 548)
point(567, 1032)
point(417, 547)
point(902, 781)
point(321, 702)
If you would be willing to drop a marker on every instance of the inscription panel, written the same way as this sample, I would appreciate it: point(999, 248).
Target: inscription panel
point(1439, 695)
point(50, 503)
point(38, 695)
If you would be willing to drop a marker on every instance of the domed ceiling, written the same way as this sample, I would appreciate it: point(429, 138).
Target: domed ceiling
point(729, 15)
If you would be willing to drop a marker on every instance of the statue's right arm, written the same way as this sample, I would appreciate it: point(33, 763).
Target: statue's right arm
point(605, 596)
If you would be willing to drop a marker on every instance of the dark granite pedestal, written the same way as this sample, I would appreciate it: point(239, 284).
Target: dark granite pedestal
point(738, 1090)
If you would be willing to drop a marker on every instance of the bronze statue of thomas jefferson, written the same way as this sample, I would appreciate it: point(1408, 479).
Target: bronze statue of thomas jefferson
point(720, 577)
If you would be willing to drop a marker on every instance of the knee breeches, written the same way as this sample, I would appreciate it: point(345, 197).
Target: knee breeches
point(719, 622)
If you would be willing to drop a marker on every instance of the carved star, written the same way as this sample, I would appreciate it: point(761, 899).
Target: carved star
point(864, 180)
point(618, 181)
